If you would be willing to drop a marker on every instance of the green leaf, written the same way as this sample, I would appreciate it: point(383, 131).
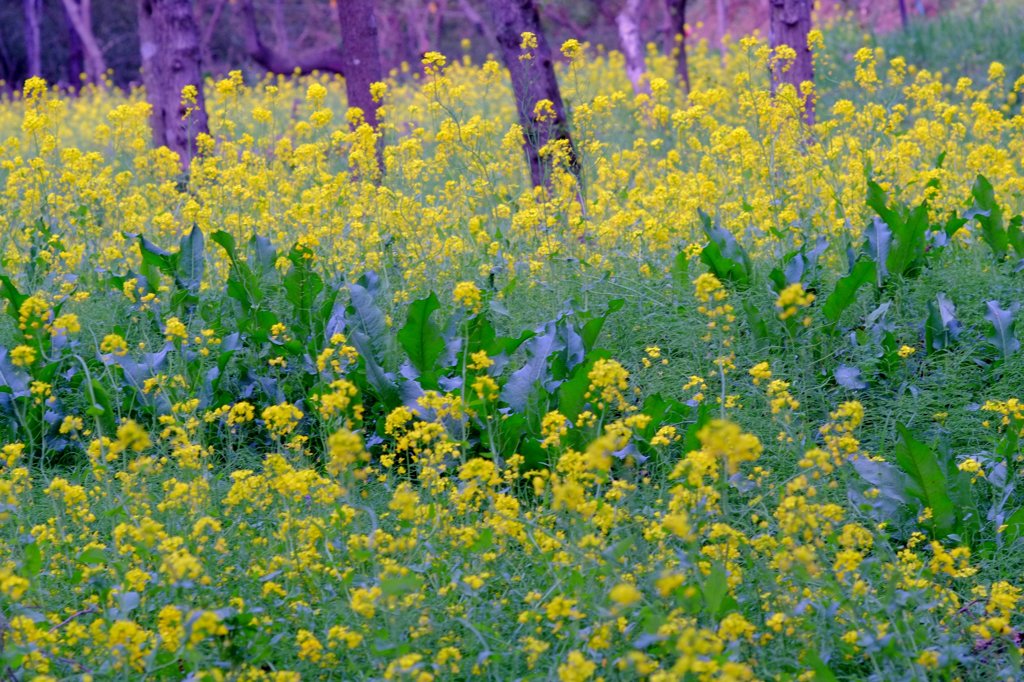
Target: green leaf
point(572, 393)
point(402, 584)
point(191, 260)
point(421, 338)
point(990, 216)
point(922, 465)
point(363, 314)
point(92, 556)
point(877, 244)
point(1015, 235)
point(522, 382)
point(33, 560)
point(592, 328)
point(942, 326)
point(715, 590)
point(723, 255)
point(1002, 324)
point(11, 293)
point(822, 673)
point(1014, 527)
point(845, 293)
point(681, 272)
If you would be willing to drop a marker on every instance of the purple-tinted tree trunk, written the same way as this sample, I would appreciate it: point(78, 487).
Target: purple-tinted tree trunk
point(276, 60)
point(677, 25)
point(76, 54)
point(790, 24)
point(533, 80)
point(628, 23)
point(360, 54)
point(33, 49)
point(169, 44)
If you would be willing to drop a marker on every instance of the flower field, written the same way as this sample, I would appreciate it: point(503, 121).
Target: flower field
point(739, 401)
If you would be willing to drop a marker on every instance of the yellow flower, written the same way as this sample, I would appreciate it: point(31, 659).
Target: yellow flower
point(468, 295)
point(114, 344)
point(281, 419)
point(23, 356)
point(625, 594)
point(577, 668)
point(175, 330)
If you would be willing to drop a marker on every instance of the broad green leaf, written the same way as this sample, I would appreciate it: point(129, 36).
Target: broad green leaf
point(877, 243)
point(1014, 526)
point(572, 393)
point(723, 254)
point(990, 216)
point(33, 560)
point(942, 326)
point(191, 260)
point(1002, 324)
point(922, 465)
point(421, 338)
point(539, 349)
point(822, 673)
point(715, 590)
point(363, 314)
point(592, 327)
point(92, 556)
point(845, 293)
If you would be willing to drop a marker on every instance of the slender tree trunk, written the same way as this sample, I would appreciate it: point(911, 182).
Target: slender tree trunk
point(169, 43)
point(276, 61)
point(76, 54)
point(209, 29)
point(533, 80)
point(481, 26)
point(360, 49)
point(720, 15)
point(677, 25)
point(790, 24)
point(33, 49)
point(904, 19)
point(79, 13)
point(280, 26)
point(628, 23)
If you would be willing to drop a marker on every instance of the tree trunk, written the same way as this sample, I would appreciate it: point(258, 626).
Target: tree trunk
point(360, 54)
point(720, 25)
point(79, 13)
point(533, 80)
point(790, 24)
point(904, 19)
point(628, 23)
point(169, 43)
point(33, 49)
point(474, 18)
point(273, 60)
point(76, 54)
point(677, 25)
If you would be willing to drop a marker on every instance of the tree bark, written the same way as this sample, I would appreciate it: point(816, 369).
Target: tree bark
point(360, 54)
point(677, 25)
point(329, 60)
point(533, 80)
point(474, 18)
point(76, 53)
point(720, 24)
point(79, 13)
point(790, 24)
point(33, 49)
point(628, 23)
point(169, 44)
